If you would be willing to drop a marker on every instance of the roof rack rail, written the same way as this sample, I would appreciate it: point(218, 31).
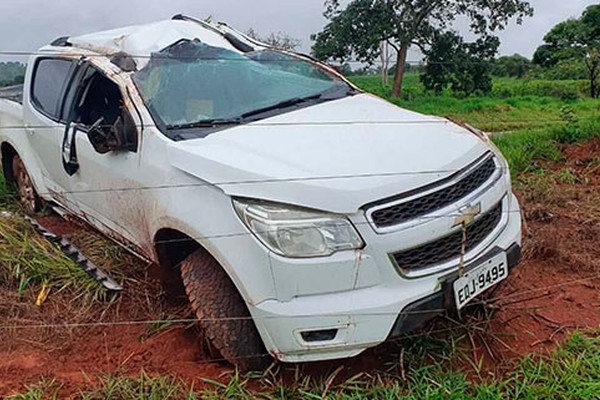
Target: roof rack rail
point(231, 38)
point(245, 36)
point(181, 17)
point(62, 41)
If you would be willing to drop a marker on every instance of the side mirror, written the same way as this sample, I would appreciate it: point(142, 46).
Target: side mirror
point(99, 137)
point(120, 136)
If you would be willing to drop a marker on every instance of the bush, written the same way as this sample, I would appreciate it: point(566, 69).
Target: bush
point(515, 66)
point(521, 148)
point(564, 90)
point(577, 131)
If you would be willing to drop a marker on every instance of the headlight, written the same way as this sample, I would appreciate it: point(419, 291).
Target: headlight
point(296, 232)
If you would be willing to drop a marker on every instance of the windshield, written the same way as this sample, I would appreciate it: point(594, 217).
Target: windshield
point(194, 85)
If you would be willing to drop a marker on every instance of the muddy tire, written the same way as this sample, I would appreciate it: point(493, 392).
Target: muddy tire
point(27, 195)
point(223, 316)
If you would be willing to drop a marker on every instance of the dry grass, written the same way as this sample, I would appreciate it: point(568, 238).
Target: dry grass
point(562, 210)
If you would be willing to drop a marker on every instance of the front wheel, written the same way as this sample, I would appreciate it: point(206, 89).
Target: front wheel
point(222, 314)
point(27, 195)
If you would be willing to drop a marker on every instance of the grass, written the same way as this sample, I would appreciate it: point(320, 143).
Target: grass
point(31, 262)
point(523, 148)
point(142, 387)
point(572, 371)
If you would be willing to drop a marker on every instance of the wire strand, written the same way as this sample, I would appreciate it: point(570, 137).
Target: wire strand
point(324, 315)
point(253, 182)
point(434, 120)
point(416, 221)
point(91, 53)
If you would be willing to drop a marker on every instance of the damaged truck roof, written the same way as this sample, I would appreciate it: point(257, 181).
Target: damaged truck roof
point(141, 41)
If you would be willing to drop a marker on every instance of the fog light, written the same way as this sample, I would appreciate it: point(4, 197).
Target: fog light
point(319, 336)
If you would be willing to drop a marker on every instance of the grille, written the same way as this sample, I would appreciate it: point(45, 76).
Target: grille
point(403, 212)
point(449, 247)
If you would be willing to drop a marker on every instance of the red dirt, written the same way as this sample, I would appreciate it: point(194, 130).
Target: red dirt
point(76, 356)
point(108, 351)
point(554, 291)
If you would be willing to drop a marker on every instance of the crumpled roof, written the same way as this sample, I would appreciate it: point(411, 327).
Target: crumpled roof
point(141, 41)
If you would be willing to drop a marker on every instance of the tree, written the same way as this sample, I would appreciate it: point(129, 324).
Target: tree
point(280, 40)
point(575, 40)
point(473, 66)
point(464, 66)
point(359, 29)
point(440, 58)
point(386, 58)
point(515, 66)
point(11, 73)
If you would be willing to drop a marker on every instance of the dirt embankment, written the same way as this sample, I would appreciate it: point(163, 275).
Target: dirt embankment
point(553, 292)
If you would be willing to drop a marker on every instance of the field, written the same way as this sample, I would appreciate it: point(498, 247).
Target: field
point(536, 337)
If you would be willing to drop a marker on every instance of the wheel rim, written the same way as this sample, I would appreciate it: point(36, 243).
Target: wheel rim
point(27, 194)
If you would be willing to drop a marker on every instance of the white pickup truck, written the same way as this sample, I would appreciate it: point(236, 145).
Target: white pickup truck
point(305, 219)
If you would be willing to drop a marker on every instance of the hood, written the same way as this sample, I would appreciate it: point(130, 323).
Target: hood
point(335, 156)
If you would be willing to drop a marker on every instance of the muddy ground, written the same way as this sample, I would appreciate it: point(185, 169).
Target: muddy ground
point(555, 290)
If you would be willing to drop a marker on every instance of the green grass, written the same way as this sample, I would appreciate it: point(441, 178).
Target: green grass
point(572, 371)
point(523, 148)
point(563, 89)
point(29, 262)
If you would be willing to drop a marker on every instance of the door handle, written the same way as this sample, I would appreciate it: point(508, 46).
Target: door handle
point(29, 130)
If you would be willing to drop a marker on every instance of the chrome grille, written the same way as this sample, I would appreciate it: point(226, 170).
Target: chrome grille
point(399, 213)
point(449, 247)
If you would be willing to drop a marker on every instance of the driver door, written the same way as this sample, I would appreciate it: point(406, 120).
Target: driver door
point(103, 171)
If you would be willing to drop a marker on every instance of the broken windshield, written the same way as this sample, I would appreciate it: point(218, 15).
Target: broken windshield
point(191, 85)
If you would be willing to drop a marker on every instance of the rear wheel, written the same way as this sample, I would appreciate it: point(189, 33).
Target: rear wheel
point(27, 195)
point(223, 316)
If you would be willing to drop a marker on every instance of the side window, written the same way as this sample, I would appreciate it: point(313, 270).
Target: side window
point(97, 104)
point(49, 82)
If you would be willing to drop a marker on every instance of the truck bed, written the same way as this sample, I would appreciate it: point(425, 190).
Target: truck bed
point(13, 93)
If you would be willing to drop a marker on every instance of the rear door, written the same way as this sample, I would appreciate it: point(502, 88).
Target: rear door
point(45, 121)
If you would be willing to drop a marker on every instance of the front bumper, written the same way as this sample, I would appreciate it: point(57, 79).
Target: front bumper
point(419, 313)
point(366, 317)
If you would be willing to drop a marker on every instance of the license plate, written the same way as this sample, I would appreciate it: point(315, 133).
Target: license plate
point(480, 279)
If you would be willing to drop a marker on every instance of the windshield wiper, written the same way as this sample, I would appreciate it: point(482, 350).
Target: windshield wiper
point(282, 104)
point(333, 93)
point(206, 123)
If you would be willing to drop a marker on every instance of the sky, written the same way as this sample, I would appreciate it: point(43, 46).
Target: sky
point(26, 25)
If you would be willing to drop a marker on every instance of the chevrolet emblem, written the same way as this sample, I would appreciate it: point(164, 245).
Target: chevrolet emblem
point(468, 215)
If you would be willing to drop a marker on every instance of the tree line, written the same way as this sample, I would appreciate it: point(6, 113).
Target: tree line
point(364, 28)
point(384, 30)
point(11, 73)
